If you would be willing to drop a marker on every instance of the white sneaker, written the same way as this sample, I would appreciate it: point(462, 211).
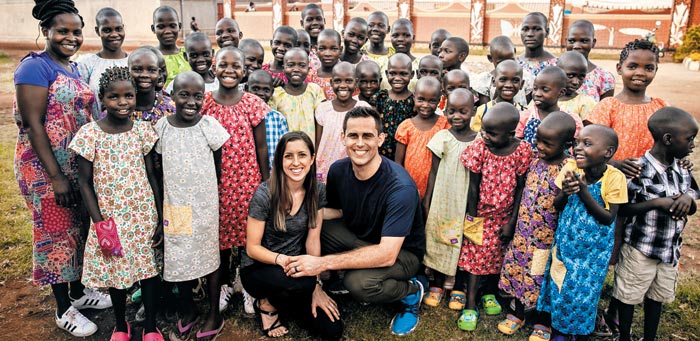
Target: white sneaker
point(224, 297)
point(248, 303)
point(76, 323)
point(92, 299)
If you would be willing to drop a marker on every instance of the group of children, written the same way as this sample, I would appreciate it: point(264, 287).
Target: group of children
point(542, 192)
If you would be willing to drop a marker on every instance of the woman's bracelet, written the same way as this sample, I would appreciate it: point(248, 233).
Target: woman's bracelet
point(276, 258)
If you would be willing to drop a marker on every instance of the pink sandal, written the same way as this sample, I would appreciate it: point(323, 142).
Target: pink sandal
point(212, 333)
point(152, 336)
point(121, 336)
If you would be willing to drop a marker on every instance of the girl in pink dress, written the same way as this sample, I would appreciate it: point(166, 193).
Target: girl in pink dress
point(244, 161)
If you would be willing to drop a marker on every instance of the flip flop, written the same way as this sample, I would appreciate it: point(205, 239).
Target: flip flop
point(211, 333)
point(184, 331)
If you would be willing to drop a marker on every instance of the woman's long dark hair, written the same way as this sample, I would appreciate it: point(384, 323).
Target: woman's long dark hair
point(279, 192)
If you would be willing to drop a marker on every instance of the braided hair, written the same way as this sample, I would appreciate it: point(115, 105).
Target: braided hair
point(112, 75)
point(46, 10)
point(639, 44)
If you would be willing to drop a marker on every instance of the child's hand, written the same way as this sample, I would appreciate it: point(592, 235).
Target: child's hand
point(686, 164)
point(277, 82)
point(681, 206)
point(571, 184)
point(505, 233)
point(665, 203)
point(631, 168)
point(157, 238)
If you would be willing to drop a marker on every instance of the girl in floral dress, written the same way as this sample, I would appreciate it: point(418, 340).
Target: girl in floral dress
point(244, 161)
point(50, 105)
point(497, 162)
point(120, 190)
point(533, 31)
point(151, 104)
point(526, 256)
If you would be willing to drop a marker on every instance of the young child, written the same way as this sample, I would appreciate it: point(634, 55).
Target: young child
point(549, 85)
point(260, 84)
point(190, 145)
point(574, 66)
point(283, 39)
point(227, 33)
point(453, 52)
point(599, 82)
point(436, 40)
point(313, 22)
point(402, 39)
point(162, 71)
point(660, 200)
point(396, 104)
point(497, 163)
point(109, 26)
point(413, 134)
point(507, 80)
point(119, 188)
point(628, 112)
point(254, 56)
point(452, 80)
point(378, 28)
point(304, 41)
point(166, 26)
point(200, 55)
point(368, 75)
point(430, 66)
point(328, 51)
point(533, 31)
point(150, 103)
point(526, 255)
point(297, 100)
point(354, 37)
point(444, 202)
point(591, 192)
point(329, 119)
point(245, 163)
point(501, 48)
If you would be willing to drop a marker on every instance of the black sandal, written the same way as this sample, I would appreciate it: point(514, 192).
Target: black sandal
point(275, 325)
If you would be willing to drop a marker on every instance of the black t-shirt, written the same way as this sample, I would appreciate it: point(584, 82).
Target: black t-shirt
point(385, 205)
point(293, 241)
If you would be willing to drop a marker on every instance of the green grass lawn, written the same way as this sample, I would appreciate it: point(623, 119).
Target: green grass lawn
point(680, 320)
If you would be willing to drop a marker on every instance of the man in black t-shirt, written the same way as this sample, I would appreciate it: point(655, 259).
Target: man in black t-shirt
point(378, 234)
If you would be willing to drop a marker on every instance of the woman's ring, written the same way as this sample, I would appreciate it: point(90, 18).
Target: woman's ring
point(296, 269)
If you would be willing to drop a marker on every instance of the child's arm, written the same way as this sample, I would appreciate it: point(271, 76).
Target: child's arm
point(431, 184)
point(505, 233)
point(603, 216)
point(569, 186)
point(87, 189)
point(261, 149)
point(217, 164)
point(473, 193)
point(149, 160)
point(400, 153)
point(319, 133)
point(629, 167)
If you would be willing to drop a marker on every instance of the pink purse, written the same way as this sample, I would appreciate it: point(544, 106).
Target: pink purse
point(108, 238)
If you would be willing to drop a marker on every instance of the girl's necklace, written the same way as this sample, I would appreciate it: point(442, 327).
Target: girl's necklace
point(150, 115)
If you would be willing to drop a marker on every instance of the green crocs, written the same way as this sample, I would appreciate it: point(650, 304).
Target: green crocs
point(491, 305)
point(468, 320)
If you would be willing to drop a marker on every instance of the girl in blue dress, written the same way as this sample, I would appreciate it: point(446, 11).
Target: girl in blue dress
point(591, 192)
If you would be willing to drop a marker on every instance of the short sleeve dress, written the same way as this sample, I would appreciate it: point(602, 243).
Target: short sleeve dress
point(581, 105)
point(535, 66)
point(597, 82)
point(57, 245)
point(299, 110)
point(330, 148)
point(496, 200)
point(578, 263)
point(240, 172)
point(445, 224)
point(629, 122)
point(527, 254)
point(418, 158)
point(530, 121)
point(392, 113)
point(91, 66)
point(163, 106)
point(124, 194)
point(190, 200)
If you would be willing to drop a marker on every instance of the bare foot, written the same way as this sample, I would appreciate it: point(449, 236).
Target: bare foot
point(271, 321)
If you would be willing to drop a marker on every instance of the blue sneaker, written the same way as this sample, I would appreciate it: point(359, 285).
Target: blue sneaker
point(406, 321)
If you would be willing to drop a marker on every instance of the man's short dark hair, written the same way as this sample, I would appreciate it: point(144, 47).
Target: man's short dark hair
point(359, 112)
